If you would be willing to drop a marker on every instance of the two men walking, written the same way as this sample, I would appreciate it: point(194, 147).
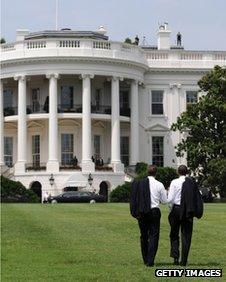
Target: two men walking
point(146, 195)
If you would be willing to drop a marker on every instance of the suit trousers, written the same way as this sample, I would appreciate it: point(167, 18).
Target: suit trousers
point(186, 226)
point(149, 224)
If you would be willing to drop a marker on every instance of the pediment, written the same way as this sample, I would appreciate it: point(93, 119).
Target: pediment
point(10, 125)
point(68, 122)
point(157, 127)
point(99, 124)
point(35, 124)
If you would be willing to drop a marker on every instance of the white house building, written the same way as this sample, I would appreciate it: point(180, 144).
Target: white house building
point(67, 94)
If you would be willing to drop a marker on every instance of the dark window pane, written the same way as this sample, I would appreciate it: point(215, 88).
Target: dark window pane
point(157, 102)
point(124, 150)
point(158, 150)
point(67, 97)
point(8, 98)
point(157, 109)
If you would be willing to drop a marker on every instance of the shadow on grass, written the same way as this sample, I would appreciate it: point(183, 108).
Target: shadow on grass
point(209, 264)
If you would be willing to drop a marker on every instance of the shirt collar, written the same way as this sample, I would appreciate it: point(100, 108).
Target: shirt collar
point(152, 177)
point(182, 176)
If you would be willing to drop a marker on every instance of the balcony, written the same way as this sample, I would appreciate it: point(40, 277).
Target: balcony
point(10, 111)
point(101, 109)
point(41, 48)
point(69, 109)
point(39, 109)
point(35, 166)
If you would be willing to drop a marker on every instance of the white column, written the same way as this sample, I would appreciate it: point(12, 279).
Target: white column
point(1, 126)
point(87, 164)
point(175, 112)
point(115, 126)
point(22, 126)
point(134, 124)
point(53, 162)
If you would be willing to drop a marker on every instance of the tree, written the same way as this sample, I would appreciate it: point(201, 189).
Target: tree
point(128, 40)
point(204, 125)
point(2, 40)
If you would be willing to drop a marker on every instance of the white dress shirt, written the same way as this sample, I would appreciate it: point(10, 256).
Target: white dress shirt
point(157, 192)
point(174, 195)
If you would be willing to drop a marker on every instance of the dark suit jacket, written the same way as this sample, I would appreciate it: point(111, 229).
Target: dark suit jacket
point(140, 198)
point(189, 198)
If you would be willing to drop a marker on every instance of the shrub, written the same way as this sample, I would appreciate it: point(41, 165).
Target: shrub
point(15, 192)
point(141, 168)
point(121, 193)
point(164, 174)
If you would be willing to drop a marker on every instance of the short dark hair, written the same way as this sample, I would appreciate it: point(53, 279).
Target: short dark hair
point(182, 170)
point(152, 170)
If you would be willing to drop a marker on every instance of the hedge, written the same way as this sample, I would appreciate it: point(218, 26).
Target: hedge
point(121, 193)
point(15, 192)
point(164, 175)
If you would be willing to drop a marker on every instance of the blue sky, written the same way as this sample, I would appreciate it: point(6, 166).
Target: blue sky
point(201, 22)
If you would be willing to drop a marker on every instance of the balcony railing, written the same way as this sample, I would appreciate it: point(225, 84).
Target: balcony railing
point(35, 109)
point(69, 167)
point(10, 111)
point(35, 166)
point(101, 109)
point(125, 112)
point(69, 109)
point(71, 48)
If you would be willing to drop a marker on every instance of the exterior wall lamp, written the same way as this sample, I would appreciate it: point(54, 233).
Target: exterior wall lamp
point(51, 180)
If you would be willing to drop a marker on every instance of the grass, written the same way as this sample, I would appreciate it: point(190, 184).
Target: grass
point(100, 242)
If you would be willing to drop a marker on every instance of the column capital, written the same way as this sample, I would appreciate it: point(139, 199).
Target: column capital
point(175, 85)
point(135, 82)
point(115, 78)
point(54, 75)
point(86, 75)
point(20, 77)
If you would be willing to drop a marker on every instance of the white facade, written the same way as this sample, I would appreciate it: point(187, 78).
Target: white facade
point(100, 94)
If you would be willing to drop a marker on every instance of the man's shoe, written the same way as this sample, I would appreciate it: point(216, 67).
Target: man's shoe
point(182, 263)
point(149, 264)
point(176, 262)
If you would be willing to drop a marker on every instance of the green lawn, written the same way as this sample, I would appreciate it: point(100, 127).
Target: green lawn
point(99, 242)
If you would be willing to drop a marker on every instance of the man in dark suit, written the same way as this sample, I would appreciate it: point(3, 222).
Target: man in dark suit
point(144, 206)
point(182, 197)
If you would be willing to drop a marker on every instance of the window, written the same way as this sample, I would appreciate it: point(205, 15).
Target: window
point(125, 150)
point(98, 99)
point(35, 100)
point(67, 97)
point(67, 151)
point(8, 98)
point(157, 102)
point(157, 151)
point(36, 150)
point(8, 151)
point(191, 98)
point(97, 146)
point(124, 99)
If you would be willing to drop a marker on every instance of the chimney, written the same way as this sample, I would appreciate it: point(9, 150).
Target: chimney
point(21, 33)
point(163, 37)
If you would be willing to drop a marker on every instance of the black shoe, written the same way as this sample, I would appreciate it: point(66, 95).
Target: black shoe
point(149, 264)
point(182, 263)
point(176, 262)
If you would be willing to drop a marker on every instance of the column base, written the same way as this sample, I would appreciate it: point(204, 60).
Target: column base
point(118, 167)
point(88, 167)
point(20, 167)
point(52, 167)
